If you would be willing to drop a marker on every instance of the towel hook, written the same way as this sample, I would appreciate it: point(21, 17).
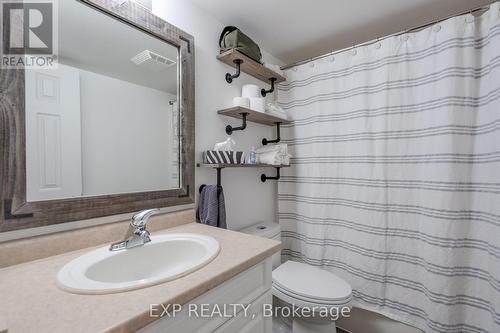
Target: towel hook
point(229, 77)
point(266, 141)
point(264, 92)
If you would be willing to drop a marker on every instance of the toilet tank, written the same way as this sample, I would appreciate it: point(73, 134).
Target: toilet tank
point(267, 230)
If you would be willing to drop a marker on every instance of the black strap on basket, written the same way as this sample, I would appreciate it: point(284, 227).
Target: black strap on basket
point(226, 30)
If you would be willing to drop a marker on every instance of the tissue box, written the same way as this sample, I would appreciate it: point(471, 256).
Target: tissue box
point(223, 157)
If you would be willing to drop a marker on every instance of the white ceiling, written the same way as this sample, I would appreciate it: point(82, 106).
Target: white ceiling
point(293, 30)
point(93, 41)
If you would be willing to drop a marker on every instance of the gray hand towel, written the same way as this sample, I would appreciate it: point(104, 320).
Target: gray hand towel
point(211, 208)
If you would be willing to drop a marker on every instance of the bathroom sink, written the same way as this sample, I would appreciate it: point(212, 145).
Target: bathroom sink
point(167, 257)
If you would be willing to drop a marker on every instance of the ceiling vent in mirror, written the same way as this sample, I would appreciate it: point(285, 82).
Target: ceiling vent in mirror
point(152, 60)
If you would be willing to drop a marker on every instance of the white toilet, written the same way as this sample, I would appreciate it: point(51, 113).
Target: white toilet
point(304, 286)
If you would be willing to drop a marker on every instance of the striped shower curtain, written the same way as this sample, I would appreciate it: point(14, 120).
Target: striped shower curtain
point(395, 179)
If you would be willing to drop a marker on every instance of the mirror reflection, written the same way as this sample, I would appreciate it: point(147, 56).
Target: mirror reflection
point(106, 121)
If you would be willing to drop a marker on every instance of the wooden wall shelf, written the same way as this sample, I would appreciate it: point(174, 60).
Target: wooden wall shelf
point(263, 177)
point(223, 165)
point(253, 116)
point(250, 66)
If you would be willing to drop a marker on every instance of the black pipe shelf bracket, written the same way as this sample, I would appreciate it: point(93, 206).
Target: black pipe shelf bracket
point(229, 76)
point(278, 139)
point(219, 180)
point(264, 92)
point(263, 177)
point(230, 129)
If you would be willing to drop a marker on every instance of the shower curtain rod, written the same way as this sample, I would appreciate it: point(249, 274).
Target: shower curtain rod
point(372, 41)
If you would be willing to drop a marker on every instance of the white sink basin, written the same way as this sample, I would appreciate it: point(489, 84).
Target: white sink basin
point(165, 258)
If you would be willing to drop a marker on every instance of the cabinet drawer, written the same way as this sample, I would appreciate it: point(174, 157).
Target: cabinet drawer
point(250, 323)
point(241, 289)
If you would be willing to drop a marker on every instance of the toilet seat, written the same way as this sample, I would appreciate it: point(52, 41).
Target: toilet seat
point(315, 307)
point(310, 301)
point(309, 284)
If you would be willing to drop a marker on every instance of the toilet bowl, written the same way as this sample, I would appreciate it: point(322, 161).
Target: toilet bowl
point(314, 297)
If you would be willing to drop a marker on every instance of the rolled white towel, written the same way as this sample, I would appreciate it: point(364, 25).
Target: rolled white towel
point(281, 148)
point(273, 158)
point(274, 107)
point(241, 101)
point(270, 158)
point(274, 161)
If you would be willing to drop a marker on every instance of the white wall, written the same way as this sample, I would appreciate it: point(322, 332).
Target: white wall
point(248, 200)
point(126, 136)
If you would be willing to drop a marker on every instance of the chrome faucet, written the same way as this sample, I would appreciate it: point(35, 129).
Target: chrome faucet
point(140, 234)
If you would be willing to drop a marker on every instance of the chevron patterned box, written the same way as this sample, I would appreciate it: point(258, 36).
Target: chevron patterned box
point(223, 157)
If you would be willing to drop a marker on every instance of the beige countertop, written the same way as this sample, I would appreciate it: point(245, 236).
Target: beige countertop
point(30, 301)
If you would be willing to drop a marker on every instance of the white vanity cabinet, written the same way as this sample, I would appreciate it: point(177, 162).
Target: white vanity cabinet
point(251, 287)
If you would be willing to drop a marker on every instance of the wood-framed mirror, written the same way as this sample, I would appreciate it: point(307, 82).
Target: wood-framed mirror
point(109, 130)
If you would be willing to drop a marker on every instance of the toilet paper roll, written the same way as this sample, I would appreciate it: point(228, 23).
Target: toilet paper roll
point(250, 90)
point(244, 102)
point(258, 104)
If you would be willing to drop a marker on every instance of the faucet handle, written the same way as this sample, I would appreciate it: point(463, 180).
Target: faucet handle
point(140, 219)
point(143, 234)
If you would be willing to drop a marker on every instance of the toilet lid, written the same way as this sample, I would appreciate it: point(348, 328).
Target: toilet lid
point(310, 282)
